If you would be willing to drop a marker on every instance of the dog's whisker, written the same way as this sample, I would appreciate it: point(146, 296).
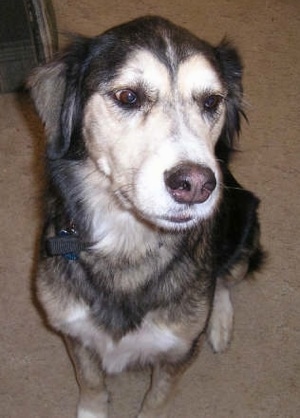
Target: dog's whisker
point(232, 187)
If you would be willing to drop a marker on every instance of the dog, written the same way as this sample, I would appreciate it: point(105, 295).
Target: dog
point(146, 229)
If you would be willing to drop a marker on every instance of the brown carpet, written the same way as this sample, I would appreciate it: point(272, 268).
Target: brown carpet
point(259, 376)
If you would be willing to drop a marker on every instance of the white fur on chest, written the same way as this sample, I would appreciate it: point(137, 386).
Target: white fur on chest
point(142, 346)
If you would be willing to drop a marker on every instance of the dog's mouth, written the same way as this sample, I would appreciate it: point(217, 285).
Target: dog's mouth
point(178, 219)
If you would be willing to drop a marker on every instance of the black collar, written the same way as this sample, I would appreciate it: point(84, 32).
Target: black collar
point(66, 243)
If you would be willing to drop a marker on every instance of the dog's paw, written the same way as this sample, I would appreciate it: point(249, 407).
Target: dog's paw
point(221, 320)
point(152, 415)
point(96, 407)
point(84, 413)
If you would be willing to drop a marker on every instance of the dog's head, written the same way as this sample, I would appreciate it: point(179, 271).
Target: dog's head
point(154, 108)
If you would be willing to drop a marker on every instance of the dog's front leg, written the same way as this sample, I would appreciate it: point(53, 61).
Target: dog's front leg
point(221, 320)
point(93, 401)
point(157, 400)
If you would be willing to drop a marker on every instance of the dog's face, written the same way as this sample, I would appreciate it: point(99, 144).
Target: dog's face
point(149, 104)
point(153, 133)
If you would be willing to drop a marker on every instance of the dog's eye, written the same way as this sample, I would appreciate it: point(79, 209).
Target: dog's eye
point(211, 102)
point(126, 97)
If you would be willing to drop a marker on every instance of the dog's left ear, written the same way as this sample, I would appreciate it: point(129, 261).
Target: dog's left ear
point(231, 69)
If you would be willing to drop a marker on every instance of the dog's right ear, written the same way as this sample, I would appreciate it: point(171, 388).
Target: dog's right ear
point(47, 86)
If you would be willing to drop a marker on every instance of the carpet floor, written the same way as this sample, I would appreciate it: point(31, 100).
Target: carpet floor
point(259, 376)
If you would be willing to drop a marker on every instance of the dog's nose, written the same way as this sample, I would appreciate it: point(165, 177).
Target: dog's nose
point(190, 183)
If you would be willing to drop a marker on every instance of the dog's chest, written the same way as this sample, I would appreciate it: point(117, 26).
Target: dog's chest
point(142, 346)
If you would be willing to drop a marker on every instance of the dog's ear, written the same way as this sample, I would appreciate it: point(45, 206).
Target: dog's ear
point(56, 92)
point(231, 69)
point(47, 86)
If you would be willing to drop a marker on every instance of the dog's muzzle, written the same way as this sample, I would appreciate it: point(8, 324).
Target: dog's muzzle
point(190, 183)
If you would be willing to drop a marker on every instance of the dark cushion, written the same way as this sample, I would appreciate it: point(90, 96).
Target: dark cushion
point(28, 37)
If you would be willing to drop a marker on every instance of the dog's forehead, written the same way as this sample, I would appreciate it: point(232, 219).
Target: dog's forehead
point(143, 66)
point(195, 73)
